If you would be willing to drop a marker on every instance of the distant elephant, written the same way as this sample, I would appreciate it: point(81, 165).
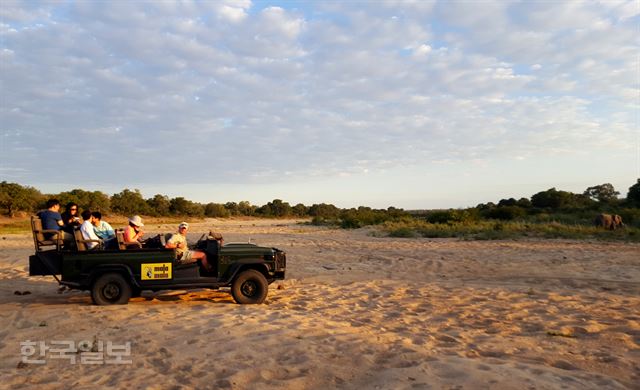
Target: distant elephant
point(608, 221)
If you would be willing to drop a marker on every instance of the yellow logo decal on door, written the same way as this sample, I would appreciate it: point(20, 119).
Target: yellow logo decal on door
point(155, 271)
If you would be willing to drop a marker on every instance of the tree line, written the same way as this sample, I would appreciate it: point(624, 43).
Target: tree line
point(563, 206)
point(16, 198)
point(549, 205)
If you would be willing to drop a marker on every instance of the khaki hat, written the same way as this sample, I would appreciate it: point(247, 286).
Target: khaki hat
point(183, 224)
point(136, 220)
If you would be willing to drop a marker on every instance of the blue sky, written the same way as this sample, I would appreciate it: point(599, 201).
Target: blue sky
point(423, 104)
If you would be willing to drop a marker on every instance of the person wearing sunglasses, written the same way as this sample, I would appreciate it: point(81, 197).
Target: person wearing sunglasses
point(70, 217)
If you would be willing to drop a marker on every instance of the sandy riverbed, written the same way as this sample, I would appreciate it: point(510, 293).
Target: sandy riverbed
point(355, 312)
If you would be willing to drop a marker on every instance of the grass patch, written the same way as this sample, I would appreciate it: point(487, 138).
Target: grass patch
point(403, 232)
point(15, 226)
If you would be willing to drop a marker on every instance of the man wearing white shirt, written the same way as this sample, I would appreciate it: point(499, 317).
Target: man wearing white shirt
point(101, 228)
point(87, 230)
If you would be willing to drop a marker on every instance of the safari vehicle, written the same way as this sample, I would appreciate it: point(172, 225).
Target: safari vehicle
point(115, 275)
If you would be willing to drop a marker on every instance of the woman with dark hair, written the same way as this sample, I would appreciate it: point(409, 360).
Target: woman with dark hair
point(70, 217)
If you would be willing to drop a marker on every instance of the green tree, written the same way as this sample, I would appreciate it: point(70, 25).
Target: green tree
point(299, 210)
point(604, 193)
point(393, 212)
point(216, 210)
point(485, 206)
point(554, 199)
point(129, 202)
point(507, 202)
point(86, 200)
point(280, 208)
point(232, 208)
point(159, 205)
point(633, 196)
point(246, 208)
point(524, 203)
point(324, 211)
point(14, 198)
point(275, 208)
point(183, 207)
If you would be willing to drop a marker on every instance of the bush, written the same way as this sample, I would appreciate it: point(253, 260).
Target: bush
point(320, 221)
point(365, 216)
point(453, 216)
point(485, 230)
point(506, 213)
point(630, 216)
point(403, 232)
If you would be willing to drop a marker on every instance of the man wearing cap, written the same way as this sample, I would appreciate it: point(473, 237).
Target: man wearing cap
point(133, 232)
point(178, 241)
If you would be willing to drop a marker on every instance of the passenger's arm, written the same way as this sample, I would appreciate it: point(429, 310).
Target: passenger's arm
point(171, 244)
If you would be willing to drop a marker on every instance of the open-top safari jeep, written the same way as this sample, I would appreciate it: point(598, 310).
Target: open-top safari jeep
point(115, 275)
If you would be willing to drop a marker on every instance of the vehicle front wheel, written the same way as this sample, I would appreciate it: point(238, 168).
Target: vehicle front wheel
point(250, 287)
point(111, 289)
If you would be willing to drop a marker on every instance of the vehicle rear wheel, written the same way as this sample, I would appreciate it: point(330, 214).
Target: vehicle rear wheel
point(111, 289)
point(250, 287)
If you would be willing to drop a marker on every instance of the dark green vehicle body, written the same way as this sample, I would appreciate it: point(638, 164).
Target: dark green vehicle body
point(158, 269)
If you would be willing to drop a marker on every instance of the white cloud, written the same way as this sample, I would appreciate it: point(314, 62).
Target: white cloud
point(232, 14)
point(422, 50)
point(278, 21)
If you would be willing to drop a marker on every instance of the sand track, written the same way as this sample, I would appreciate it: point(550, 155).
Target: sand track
point(355, 312)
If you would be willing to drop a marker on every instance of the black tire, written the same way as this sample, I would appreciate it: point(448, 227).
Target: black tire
point(250, 287)
point(111, 289)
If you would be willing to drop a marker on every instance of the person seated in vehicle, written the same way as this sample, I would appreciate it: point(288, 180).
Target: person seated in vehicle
point(52, 220)
point(87, 230)
point(70, 217)
point(133, 232)
point(102, 228)
point(178, 241)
